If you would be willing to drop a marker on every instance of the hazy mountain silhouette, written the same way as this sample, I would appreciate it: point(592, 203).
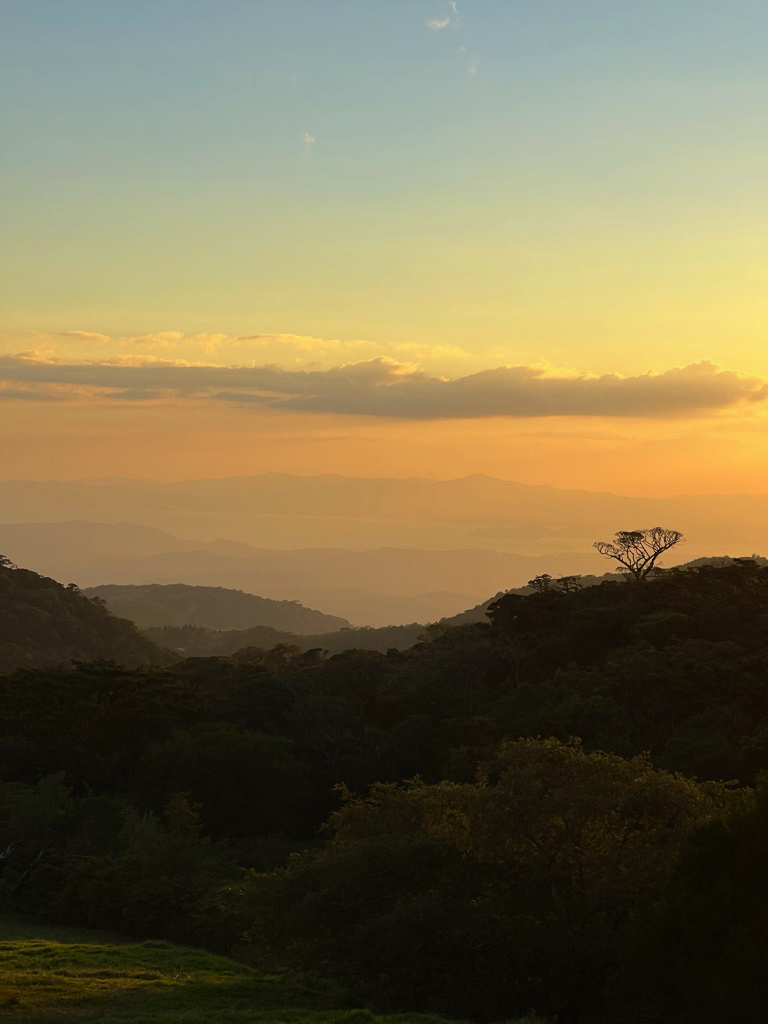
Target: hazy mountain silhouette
point(213, 607)
point(197, 641)
point(281, 511)
point(372, 551)
point(378, 587)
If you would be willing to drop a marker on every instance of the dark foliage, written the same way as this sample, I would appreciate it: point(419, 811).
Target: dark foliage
point(131, 797)
point(196, 641)
point(44, 623)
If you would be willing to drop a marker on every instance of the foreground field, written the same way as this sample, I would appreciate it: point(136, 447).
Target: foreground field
point(51, 974)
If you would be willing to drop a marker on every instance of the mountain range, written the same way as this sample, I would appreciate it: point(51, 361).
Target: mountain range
point(372, 551)
point(275, 510)
point(380, 587)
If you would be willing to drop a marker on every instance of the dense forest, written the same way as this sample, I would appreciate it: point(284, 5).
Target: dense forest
point(560, 809)
point(46, 623)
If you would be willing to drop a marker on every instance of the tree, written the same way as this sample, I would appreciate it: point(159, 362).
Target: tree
point(541, 584)
point(637, 551)
point(564, 585)
point(709, 921)
point(479, 901)
point(248, 783)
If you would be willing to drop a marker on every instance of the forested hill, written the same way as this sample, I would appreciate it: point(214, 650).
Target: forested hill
point(196, 641)
point(479, 613)
point(178, 604)
point(44, 623)
point(199, 641)
point(518, 868)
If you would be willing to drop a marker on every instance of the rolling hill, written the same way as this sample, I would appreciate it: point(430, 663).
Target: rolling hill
point(379, 587)
point(213, 607)
point(43, 623)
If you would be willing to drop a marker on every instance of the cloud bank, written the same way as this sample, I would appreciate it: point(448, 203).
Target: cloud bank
point(382, 387)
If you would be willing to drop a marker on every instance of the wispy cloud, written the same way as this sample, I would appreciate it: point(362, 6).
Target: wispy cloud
point(158, 339)
point(449, 20)
point(208, 343)
point(382, 387)
point(99, 339)
point(309, 141)
point(306, 347)
point(265, 346)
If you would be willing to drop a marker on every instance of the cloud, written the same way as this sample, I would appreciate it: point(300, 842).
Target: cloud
point(309, 141)
point(136, 394)
point(100, 339)
point(384, 388)
point(450, 20)
point(141, 360)
point(308, 345)
point(381, 387)
point(414, 351)
point(267, 347)
point(158, 339)
point(208, 343)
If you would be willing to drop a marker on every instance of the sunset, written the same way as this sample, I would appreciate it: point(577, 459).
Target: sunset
point(384, 509)
point(419, 237)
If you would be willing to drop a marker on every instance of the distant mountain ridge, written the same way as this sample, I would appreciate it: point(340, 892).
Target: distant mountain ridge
point(276, 510)
point(212, 607)
point(374, 551)
point(200, 642)
point(379, 587)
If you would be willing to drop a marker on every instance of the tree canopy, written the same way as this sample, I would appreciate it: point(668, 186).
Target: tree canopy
point(638, 551)
point(375, 816)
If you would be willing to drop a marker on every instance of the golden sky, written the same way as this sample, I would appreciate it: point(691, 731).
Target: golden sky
point(694, 429)
point(420, 238)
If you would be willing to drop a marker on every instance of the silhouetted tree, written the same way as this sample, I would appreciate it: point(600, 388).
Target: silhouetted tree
point(637, 551)
point(544, 583)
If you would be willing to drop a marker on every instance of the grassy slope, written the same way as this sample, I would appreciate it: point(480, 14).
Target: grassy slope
point(49, 973)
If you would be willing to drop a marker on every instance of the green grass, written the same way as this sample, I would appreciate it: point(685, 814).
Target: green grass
point(49, 973)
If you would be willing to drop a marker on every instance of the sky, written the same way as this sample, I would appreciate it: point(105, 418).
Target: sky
point(395, 238)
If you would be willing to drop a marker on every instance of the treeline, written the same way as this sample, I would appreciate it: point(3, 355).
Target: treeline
point(200, 642)
point(257, 805)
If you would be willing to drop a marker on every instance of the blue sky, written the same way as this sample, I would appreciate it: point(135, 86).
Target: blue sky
point(175, 164)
